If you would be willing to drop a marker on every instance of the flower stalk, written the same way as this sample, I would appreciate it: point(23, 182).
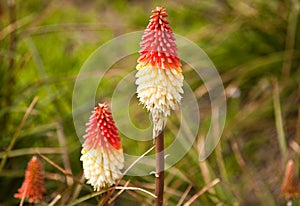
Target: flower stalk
point(160, 167)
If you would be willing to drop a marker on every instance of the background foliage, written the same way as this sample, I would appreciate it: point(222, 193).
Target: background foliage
point(254, 45)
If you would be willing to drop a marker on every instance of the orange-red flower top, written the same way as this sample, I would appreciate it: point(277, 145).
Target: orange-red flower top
point(290, 181)
point(33, 186)
point(158, 47)
point(101, 129)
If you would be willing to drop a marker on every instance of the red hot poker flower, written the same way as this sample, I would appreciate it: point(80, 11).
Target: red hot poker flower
point(102, 154)
point(159, 76)
point(33, 186)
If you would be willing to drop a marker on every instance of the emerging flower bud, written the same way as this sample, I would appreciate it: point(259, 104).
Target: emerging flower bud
point(102, 154)
point(33, 186)
point(290, 181)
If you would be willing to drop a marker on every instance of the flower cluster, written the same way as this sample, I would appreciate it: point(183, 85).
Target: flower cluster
point(33, 186)
point(159, 76)
point(102, 154)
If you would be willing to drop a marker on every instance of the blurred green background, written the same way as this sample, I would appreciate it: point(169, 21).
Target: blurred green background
point(254, 44)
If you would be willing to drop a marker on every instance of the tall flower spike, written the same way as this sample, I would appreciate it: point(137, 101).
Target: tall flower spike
point(159, 76)
point(102, 154)
point(33, 186)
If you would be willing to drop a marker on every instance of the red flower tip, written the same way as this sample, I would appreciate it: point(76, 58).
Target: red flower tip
point(33, 186)
point(101, 129)
point(158, 47)
point(290, 181)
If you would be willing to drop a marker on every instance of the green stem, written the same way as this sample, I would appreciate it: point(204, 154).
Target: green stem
point(278, 118)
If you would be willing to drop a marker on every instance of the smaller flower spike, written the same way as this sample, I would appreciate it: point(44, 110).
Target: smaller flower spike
point(290, 181)
point(102, 154)
point(159, 76)
point(33, 186)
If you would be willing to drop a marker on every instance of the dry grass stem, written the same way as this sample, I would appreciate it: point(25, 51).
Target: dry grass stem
point(118, 193)
point(136, 189)
point(186, 192)
point(65, 156)
point(206, 188)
